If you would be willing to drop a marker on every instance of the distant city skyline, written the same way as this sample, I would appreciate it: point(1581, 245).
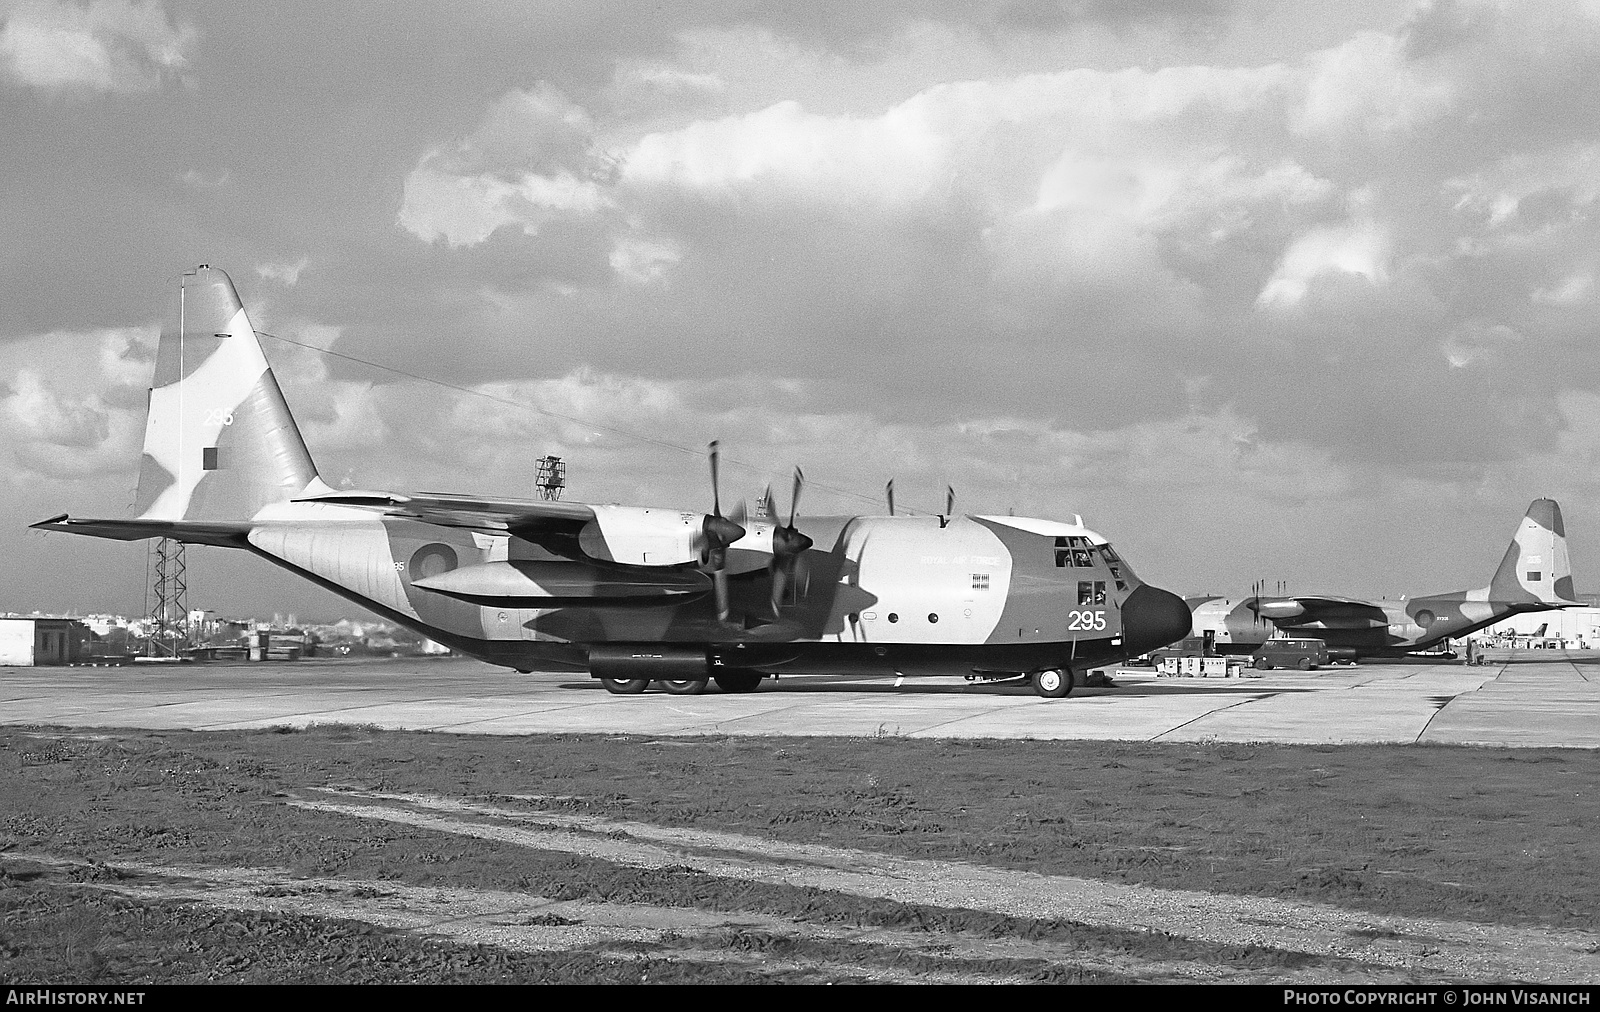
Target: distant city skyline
point(1262, 291)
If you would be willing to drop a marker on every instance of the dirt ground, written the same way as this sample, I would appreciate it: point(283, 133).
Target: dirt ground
point(346, 854)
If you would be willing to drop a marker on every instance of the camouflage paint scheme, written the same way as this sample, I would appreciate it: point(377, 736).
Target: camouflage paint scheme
point(1534, 575)
point(534, 583)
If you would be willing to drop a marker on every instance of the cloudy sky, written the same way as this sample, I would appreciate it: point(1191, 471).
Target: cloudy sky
point(1288, 292)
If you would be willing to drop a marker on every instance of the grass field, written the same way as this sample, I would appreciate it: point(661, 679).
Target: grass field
point(1498, 837)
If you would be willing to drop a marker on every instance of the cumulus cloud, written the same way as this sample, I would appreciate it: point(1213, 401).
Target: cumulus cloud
point(104, 46)
point(283, 272)
point(644, 88)
point(82, 413)
point(1372, 83)
point(1477, 341)
point(1573, 291)
point(1359, 246)
point(530, 159)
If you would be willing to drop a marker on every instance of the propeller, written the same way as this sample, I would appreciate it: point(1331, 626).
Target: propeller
point(717, 534)
point(888, 493)
point(788, 544)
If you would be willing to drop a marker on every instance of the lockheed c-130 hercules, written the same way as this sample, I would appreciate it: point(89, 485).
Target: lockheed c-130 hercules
point(1535, 574)
point(637, 595)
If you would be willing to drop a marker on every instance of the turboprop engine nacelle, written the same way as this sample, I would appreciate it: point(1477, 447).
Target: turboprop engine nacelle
point(642, 536)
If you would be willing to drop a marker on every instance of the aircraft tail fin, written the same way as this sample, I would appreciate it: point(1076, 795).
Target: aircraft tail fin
point(219, 441)
point(1535, 568)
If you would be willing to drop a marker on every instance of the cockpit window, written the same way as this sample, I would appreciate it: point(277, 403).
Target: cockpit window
point(1073, 551)
point(1114, 563)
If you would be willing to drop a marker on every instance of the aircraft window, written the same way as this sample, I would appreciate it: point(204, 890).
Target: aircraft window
point(1533, 577)
point(893, 617)
point(1099, 592)
point(1081, 558)
point(933, 617)
point(1109, 554)
point(1085, 592)
point(1063, 557)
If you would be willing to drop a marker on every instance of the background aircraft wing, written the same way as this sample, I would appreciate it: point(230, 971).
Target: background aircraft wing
point(1319, 611)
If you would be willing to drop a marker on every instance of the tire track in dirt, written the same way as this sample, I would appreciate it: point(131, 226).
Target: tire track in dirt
point(525, 922)
point(1438, 949)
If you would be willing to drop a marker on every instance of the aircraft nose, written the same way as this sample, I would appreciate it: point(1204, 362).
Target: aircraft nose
point(1153, 618)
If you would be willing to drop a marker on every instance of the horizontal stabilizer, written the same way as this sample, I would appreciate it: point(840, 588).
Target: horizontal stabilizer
point(225, 534)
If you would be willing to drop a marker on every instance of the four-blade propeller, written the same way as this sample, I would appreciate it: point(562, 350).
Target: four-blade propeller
point(717, 534)
point(787, 545)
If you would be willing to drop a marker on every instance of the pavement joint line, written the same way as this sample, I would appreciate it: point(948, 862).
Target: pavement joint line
point(1429, 722)
point(958, 720)
point(554, 708)
point(1191, 720)
point(716, 725)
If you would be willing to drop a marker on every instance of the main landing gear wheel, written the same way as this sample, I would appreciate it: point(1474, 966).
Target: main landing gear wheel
point(1052, 683)
point(738, 681)
point(625, 686)
point(683, 687)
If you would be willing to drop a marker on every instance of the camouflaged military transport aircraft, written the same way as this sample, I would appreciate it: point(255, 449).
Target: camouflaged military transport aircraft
point(1534, 576)
point(634, 594)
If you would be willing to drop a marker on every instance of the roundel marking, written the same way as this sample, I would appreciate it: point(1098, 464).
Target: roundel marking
point(431, 560)
point(1425, 618)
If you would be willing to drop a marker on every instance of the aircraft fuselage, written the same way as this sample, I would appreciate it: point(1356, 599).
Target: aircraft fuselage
point(875, 594)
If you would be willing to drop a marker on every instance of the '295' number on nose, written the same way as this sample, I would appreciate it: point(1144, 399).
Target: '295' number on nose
point(1086, 620)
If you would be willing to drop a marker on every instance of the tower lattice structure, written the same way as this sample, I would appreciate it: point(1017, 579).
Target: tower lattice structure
point(169, 595)
point(551, 477)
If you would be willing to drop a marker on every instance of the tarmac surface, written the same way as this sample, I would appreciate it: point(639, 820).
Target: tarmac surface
point(1532, 698)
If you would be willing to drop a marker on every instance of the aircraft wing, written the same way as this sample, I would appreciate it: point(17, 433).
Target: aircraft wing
point(522, 517)
point(1320, 612)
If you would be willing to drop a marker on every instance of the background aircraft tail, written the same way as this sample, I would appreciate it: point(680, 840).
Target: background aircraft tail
point(219, 441)
point(1535, 567)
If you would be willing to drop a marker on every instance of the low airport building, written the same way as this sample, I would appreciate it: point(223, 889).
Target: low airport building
point(34, 640)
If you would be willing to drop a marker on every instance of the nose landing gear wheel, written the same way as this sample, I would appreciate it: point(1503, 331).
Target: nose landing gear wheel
point(683, 687)
point(625, 686)
point(1052, 683)
point(738, 681)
